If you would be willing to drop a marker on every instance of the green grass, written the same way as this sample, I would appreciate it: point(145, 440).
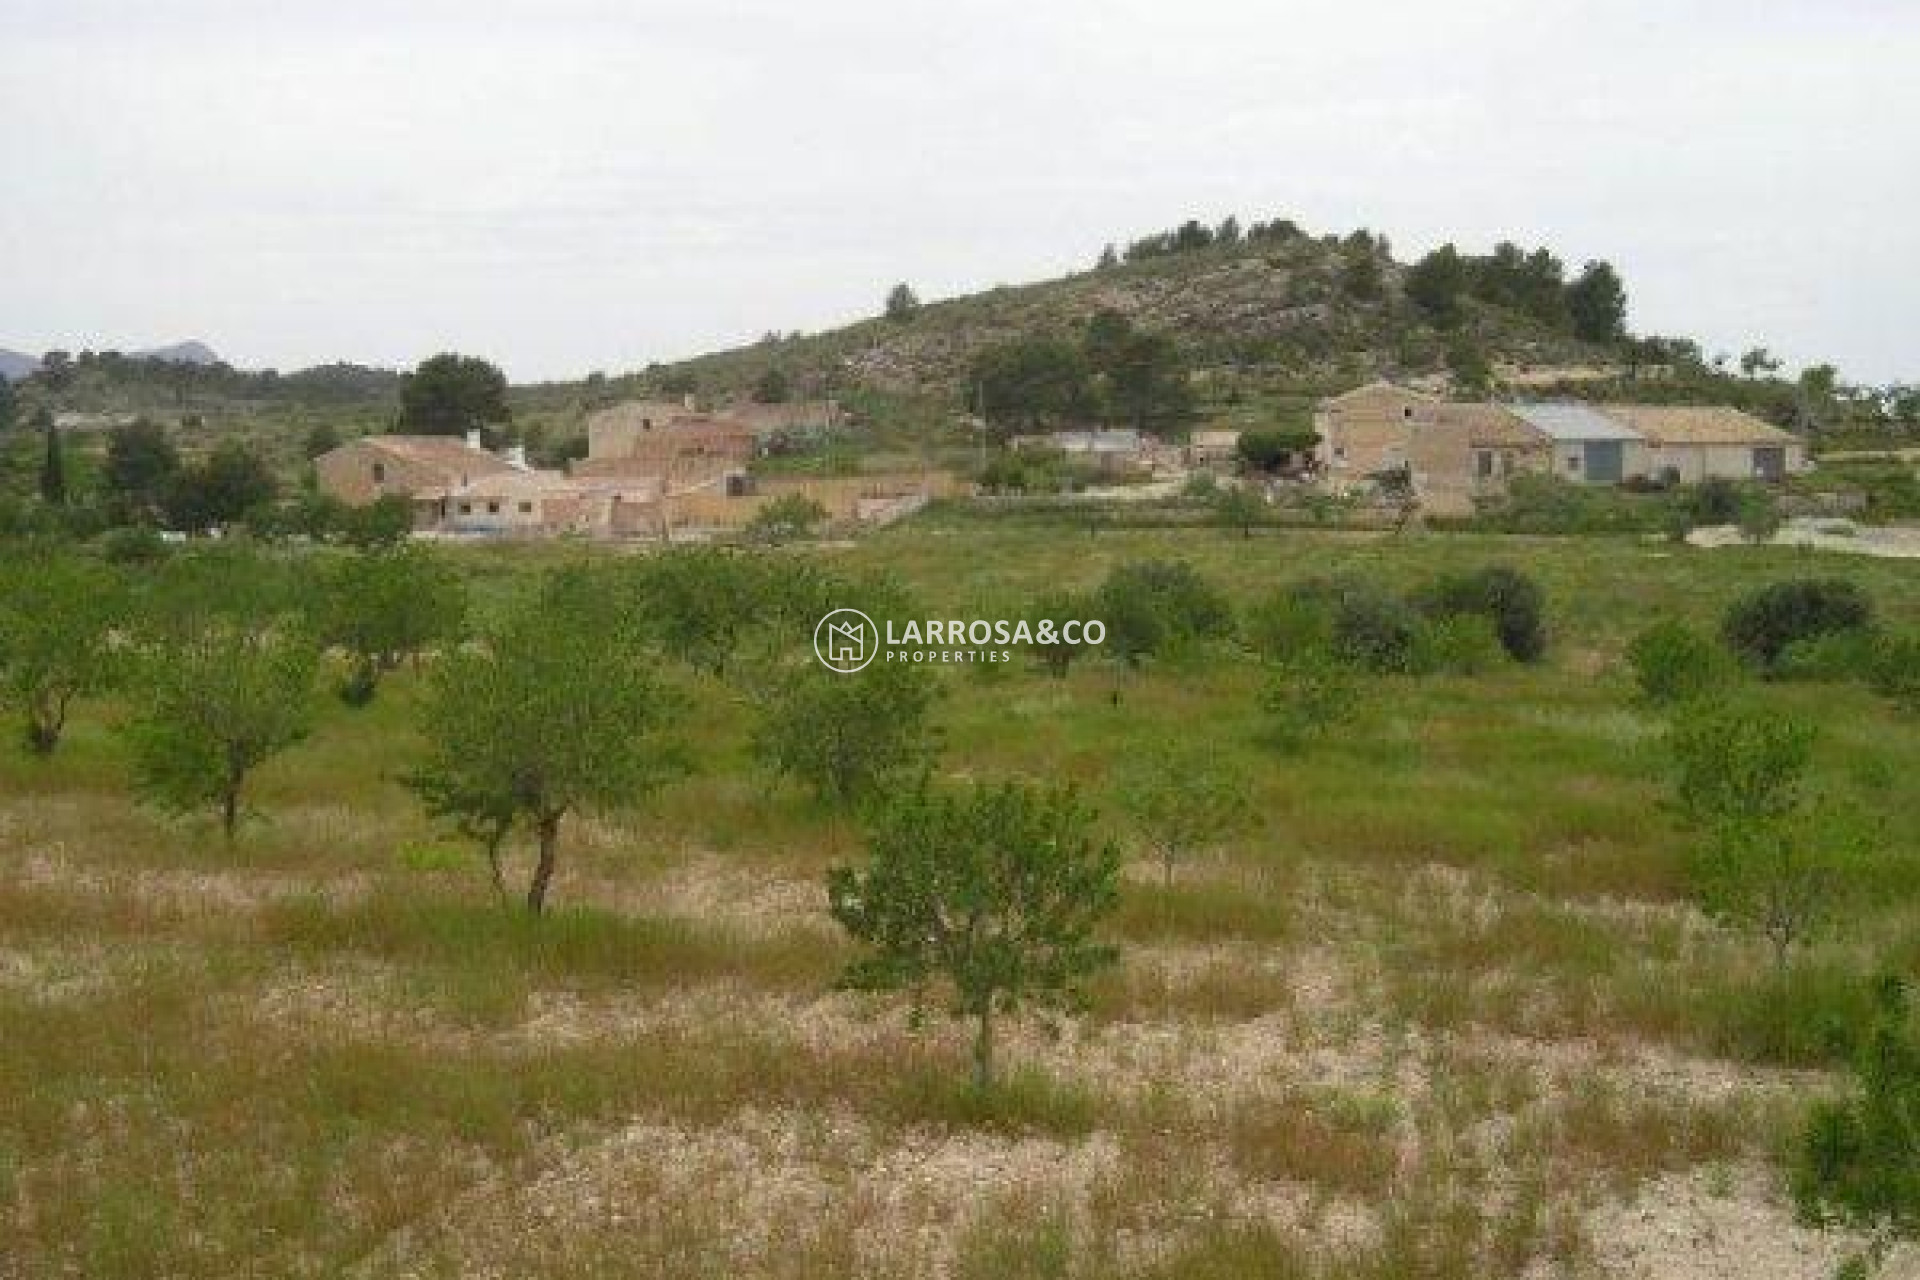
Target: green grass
point(269, 1059)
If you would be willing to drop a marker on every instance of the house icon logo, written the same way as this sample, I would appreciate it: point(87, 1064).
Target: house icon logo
point(846, 640)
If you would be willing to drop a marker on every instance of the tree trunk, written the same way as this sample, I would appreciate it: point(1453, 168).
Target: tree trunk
point(549, 828)
point(493, 866)
point(230, 810)
point(983, 1048)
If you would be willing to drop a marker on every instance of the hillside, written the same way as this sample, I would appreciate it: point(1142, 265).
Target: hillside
point(1298, 306)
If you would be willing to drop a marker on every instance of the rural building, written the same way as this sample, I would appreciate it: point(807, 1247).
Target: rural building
point(651, 435)
point(422, 469)
point(1210, 448)
point(1588, 447)
point(1686, 444)
point(1456, 453)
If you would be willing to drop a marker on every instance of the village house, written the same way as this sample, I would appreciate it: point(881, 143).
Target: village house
point(424, 470)
point(1211, 448)
point(1588, 446)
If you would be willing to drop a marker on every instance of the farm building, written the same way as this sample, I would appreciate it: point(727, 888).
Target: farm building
point(1455, 453)
point(413, 467)
point(1686, 444)
point(1587, 446)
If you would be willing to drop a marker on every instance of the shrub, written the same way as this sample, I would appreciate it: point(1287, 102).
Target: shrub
point(1760, 625)
point(1307, 697)
point(847, 737)
point(1156, 607)
point(1895, 668)
point(1287, 623)
point(133, 545)
point(1505, 597)
point(1859, 1162)
point(1673, 663)
point(1461, 646)
point(1834, 656)
point(1715, 500)
point(1369, 626)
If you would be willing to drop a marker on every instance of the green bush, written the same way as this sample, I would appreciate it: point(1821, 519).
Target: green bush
point(1160, 607)
point(1801, 1016)
point(1895, 668)
point(133, 544)
point(1286, 623)
point(1368, 625)
point(1762, 624)
point(1673, 663)
point(1859, 1161)
point(1463, 645)
point(1307, 697)
point(1507, 598)
point(1834, 656)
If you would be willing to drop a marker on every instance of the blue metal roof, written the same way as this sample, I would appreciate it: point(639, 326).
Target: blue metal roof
point(1573, 422)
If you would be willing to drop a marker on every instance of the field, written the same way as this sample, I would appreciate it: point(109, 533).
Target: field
point(1445, 1011)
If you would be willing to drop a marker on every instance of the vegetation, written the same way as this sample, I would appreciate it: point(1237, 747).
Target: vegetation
point(1184, 802)
point(212, 706)
point(58, 616)
point(380, 607)
point(997, 891)
point(849, 736)
point(451, 394)
point(543, 719)
point(1764, 624)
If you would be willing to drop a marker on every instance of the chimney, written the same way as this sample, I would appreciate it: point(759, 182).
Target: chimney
point(517, 457)
point(688, 403)
point(473, 439)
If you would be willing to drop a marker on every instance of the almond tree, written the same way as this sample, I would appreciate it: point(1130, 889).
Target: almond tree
point(994, 891)
point(541, 719)
point(213, 705)
point(58, 614)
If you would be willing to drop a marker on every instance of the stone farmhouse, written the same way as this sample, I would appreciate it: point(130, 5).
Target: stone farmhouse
point(1455, 453)
point(652, 470)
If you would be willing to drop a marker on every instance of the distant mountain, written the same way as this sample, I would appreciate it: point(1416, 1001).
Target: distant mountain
point(15, 365)
point(192, 351)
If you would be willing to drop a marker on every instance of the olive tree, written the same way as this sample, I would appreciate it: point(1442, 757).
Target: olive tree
point(540, 719)
point(995, 891)
point(58, 614)
point(212, 705)
point(1184, 802)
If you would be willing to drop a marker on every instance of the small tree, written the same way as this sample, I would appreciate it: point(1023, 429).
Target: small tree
point(1239, 508)
point(1766, 860)
point(846, 736)
point(213, 706)
point(998, 891)
point(793, 515)
point(1859, 1161)
point(380, 607)
point(902, 302)
point(141, 464)
point(57, 618)
point(1059, 653)
point(1507, 598)
point(1184, 802)
point(450, 394)
point(53, 460)
point(1674, 663)
point(1306, 697)
point(542, 719)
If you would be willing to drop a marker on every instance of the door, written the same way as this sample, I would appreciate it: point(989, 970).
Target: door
point(1770, 463)
point(1605, 461)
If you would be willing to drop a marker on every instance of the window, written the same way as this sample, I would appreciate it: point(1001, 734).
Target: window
point(493, 507)
point(1573, 462)
point(1340, 452)
point(466, 508)
point(526, 508)
point(379, 473)
point(1486, 463)
point(1406, 411)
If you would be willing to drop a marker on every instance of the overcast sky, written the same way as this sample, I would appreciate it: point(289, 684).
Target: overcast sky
point(589, 184)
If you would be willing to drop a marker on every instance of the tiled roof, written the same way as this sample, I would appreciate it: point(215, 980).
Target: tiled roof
point(1491, 425)
point(449, 453)
point(1698, 424)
